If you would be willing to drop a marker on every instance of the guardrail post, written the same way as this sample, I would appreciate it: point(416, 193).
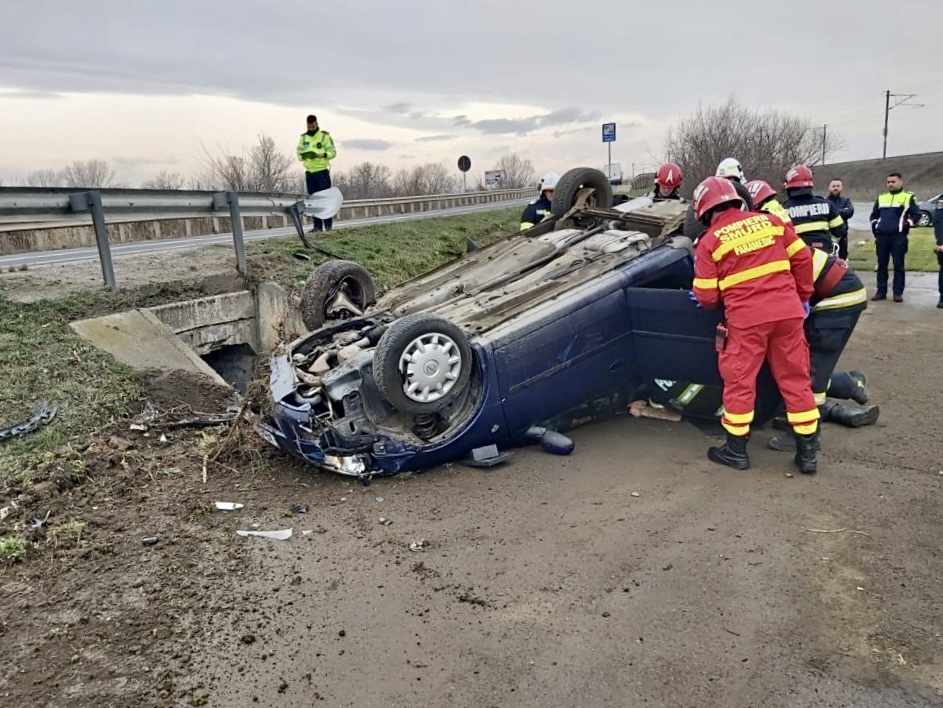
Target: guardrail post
point(92, 201)
point(221, 200)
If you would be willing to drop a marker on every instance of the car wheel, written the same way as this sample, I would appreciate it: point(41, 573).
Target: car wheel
point(336, 290)
point(422, 363)
point(925, 219)
point(581, 185)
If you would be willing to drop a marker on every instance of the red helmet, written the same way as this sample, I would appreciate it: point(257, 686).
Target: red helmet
point(759, 190)
point(713, 192)
point(669, 175)
point(799, 176)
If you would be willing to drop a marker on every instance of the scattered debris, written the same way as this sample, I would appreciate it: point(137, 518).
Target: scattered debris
point(150, 540)
point(298, 509)
point(730, 631)
point(228, 506)
point(281, 535)
point(385, 522)
point(860, 589)
point(862, 533)
point(307, 532)
point(379, 499)
point(43, 415)
point(247, 639)
point(790, 475)
point(199, 421)
point(163, 438)
point(420, 545)
point(486, 456)
point(635, 494)
point(138, 427)
point(40, 523)
point(642, 409)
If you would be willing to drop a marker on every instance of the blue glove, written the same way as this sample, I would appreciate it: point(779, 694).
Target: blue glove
point(693, 298)
point(807, 308)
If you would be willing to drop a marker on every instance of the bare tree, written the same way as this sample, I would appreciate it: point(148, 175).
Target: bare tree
point(92, 174)
point(165, 180)
point(518, 171)
point(766, 142)
point(272, 171)
point(431, 178)
point(364, 181)
point(45, 178)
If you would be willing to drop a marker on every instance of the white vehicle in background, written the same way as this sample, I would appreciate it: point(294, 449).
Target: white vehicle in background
point(613, 172)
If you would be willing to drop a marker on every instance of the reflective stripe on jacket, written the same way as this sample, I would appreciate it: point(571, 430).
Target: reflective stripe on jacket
point(316, 151)
point(814, 218)
point(535, 212)
point(836, 286)
point(755, 265)
point(890, 213)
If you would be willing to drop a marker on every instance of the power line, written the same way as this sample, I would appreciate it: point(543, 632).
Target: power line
point(904, 97)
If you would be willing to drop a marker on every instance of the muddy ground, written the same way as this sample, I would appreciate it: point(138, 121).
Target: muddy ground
point(541, 582)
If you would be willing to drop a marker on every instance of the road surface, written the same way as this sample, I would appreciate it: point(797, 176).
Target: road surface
point(76, 255)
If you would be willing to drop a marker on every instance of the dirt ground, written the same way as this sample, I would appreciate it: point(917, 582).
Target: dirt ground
point(545, 581)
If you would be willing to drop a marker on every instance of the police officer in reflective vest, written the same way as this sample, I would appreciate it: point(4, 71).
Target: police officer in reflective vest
point(761, 272)
point(892, 215)
point(315, 151)
point(815, 219)
point(540, 208)
point(938, 233)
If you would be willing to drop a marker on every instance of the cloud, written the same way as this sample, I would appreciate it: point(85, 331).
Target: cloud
point(366, 144)
point(523, 126)
point(435, 138)
point(32, 95)
point(400, 108)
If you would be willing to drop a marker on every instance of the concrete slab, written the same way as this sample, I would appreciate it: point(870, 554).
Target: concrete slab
point(140, 340)
point(213, 322)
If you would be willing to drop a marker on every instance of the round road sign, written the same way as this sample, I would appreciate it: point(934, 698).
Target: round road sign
point(464, 163)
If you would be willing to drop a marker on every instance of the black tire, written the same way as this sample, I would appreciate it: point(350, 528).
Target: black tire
point(925, 219)
point(572, 182)
point(392, 380)
point(329, 280)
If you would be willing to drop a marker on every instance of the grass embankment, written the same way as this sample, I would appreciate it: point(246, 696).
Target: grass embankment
point(391, 253)
point(41, 358)
point(921, 254)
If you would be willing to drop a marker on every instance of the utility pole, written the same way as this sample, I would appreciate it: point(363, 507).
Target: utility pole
point(904, 97)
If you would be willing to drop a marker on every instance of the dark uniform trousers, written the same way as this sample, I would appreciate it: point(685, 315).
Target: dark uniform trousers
point(892, 247)
point(318, 182)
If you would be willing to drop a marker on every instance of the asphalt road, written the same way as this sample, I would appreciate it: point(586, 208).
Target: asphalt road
point(860, 218)
point(75, 255)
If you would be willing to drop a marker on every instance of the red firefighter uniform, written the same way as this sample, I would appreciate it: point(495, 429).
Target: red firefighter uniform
point(761, 272)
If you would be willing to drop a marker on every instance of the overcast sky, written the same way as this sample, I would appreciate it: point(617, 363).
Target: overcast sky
point(145, 83)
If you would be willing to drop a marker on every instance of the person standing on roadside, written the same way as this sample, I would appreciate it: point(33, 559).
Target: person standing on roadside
point(892, 215)
point(845, 210)
point(315, 151)
point(938, 233)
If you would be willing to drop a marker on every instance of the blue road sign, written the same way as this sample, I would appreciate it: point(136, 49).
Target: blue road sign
point(608, 132)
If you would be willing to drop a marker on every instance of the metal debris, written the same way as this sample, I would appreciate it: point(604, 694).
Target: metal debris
point(150, 540)
point(281, 535)
point(228, 506)
point(43, 415)
point(385, 522)
point(419, 546)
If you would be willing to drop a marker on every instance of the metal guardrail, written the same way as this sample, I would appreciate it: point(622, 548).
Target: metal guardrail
point(27, 209)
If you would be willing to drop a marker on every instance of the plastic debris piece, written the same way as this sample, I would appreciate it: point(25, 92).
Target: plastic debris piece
point(385, 522)
point(483, 453)
point(635, 494)
point(379, 499)
point(550, 440)
point(299, 509)
point(307, 532)
point(280, 535)
point(419, 545)
point(228, 506)
point(150, 540)
point(489, 461)
point(137, 426)
point(163, 438)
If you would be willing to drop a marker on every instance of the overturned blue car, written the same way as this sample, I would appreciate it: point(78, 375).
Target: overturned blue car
point(561, 322)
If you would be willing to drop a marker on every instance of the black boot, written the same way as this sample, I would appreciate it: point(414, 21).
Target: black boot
point(806, 447)
point(850, 416)
point(733, 453)
point(849, 384)
point(783, 443)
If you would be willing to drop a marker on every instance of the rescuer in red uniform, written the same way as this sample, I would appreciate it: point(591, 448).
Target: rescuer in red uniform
point(756, 267)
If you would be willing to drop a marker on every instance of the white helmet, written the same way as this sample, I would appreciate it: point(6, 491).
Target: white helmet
point(730, 167)
point(549, 181)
